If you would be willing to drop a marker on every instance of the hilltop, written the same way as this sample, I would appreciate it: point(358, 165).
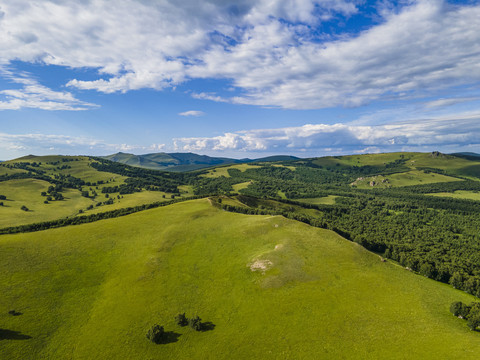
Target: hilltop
point(183, 161)
point(270, 288)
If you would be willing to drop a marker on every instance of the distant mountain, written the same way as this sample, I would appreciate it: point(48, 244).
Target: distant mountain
point(184, 161)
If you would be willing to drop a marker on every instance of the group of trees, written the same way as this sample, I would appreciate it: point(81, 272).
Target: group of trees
point(471, 313)
point(158, 335)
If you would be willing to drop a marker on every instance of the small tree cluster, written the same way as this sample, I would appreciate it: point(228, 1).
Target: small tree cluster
point(195, 323)
point(471, 313)
point(181, 320)
point(156, 334)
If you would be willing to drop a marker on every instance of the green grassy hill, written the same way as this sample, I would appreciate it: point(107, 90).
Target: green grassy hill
point(77, 176)
point(92, 291)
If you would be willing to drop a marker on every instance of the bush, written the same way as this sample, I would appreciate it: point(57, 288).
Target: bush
point(456, 308)
point(181, 320)
point(195, 323)
point(473, 320)
point(3, 197)
point(24, 208)
point(156, 334)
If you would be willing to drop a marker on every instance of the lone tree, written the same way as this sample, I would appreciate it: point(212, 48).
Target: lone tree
point(195, 323)
point(156, 334)
point(24, 208)
point(181, 319)
point(3, 197)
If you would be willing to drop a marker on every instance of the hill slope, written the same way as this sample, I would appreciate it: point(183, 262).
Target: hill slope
point(93, 291)
point(184, 161)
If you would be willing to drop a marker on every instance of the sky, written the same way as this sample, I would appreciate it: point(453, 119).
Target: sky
point(244, 78)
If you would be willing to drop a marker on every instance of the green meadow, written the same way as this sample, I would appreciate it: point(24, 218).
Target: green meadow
point(272, 288)
point(223, 170)
point(325, 200)
point(413, 177)
point(27, 192)
point(459, 194)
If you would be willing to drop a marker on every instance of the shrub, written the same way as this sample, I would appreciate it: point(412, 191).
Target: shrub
point(24, 208)
point(156, 334)
point(473, 320)
point(181, 320)
point(195, 323)
point(3, 197)
point(456, 308)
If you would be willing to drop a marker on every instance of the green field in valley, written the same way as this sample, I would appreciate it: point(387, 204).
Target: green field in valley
point(460, 194)
point(272, 288)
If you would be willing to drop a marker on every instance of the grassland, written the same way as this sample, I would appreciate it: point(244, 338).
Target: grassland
point(223, 170)
point(459, 194)
point(243, 185)
point(325, 200)
point(92, 291)
point(27, 192)
point(413, 177)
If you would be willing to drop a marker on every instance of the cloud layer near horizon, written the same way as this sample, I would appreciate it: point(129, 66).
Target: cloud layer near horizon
point(269, 51)
point(460, 131)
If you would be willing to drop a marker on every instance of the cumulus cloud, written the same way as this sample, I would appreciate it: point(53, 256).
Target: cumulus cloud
point(192, 113)
point(462, 130)
point(31, 94)
point(270, 51)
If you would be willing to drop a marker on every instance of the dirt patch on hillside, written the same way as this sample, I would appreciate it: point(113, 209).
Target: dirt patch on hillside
point(261, 265)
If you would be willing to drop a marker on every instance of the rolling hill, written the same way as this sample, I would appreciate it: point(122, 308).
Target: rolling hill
point(269, 287)
point(183, 161)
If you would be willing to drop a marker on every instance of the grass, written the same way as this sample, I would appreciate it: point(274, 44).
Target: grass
point(244, 185)
point(78, 168)
point(326, 200)
point(92, 292)
point(413, 177)
point(223, 170)
point(27, 192)
point(127, 200)
point(460, 194)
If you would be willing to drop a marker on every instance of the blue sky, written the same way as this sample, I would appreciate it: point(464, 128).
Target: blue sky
point(238, 78)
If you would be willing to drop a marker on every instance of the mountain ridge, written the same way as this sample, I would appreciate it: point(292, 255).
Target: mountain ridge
point(181, 162)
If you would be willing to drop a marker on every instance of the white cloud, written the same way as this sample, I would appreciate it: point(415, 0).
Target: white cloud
point(448, 102)
point(459, 131)
point(31, 94)
point(20, 144)
point(269, 50)
point(192, 113)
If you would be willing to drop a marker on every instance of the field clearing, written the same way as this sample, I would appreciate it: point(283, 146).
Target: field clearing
point(223, 171)
point(459, 194)
point(6, 171)
point(414, 177)
point(128, 200)
point(373, 159)
point(27, 192)
point(326, 200)
point(293, 168)
point(92, 291)
point(244, 185)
